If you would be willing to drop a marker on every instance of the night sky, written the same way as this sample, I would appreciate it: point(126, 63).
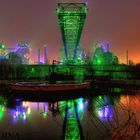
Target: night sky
point(116, 21)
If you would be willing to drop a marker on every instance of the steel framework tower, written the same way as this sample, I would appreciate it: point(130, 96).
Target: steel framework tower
point(71, 20)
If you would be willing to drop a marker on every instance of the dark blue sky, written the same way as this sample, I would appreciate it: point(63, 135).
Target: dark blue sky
point(116, 21)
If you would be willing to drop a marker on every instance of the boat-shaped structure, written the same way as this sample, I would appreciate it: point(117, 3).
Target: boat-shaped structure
point(45, 87)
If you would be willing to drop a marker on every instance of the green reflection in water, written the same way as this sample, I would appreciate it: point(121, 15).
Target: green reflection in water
point(1, 112)
point(73, 110)
point(3, 104)
point(44, 114)
point(72, 129)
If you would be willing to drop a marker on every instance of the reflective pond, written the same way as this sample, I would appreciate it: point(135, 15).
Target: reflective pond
point(115, 116)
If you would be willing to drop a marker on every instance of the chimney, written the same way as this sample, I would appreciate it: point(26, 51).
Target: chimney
point(38, 55)
point(45, 54)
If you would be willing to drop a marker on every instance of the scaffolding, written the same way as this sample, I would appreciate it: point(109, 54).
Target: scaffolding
point(71, 20)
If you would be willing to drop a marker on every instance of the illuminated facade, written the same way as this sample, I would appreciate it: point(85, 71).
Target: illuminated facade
point(103, 56)
point(80, 55)
point(3, 51)
point(23, 50)
point(71, 20)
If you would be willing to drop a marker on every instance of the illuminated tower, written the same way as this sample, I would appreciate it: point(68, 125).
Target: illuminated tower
point(38, 55)
point(45, 54)
point(71, 20)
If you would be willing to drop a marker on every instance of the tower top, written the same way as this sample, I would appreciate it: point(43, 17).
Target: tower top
point(72, 1)
point(71, 18)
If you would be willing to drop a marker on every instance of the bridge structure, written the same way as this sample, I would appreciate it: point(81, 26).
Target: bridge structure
point(71, 18)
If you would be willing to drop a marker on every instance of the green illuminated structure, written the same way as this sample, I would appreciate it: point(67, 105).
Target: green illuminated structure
point(3, 49)
point(72, 129)
point(3, 104)
point(71, 20)
point(72, 112)
point(103, 56)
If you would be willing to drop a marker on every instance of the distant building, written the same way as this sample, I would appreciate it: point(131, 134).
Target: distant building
point(23, 51)
point(103, 56)
point(3, 51)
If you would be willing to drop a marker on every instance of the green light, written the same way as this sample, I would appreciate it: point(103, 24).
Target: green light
point(1, 115)
point(20, 116)
point(2, 46)
point(32, 70)
point(98, 61)
point(100, 97)
point(44, 114)
point(70, 103)
point(1, 112)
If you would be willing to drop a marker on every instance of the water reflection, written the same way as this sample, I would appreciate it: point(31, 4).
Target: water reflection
point(3, 104)
point(73, 111)
point(105, 112)
point(21, 111)
point(44, 113)
point(104, 107)
point(108, 117)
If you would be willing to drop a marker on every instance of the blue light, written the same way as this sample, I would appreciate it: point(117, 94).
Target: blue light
point(105, 112)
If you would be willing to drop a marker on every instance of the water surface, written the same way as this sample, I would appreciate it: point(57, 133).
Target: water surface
point(113, 116)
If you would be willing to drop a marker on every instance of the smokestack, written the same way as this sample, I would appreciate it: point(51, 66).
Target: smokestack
point(108, 47)
point(45, 54)
point(127, 61)
point(38, 55)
